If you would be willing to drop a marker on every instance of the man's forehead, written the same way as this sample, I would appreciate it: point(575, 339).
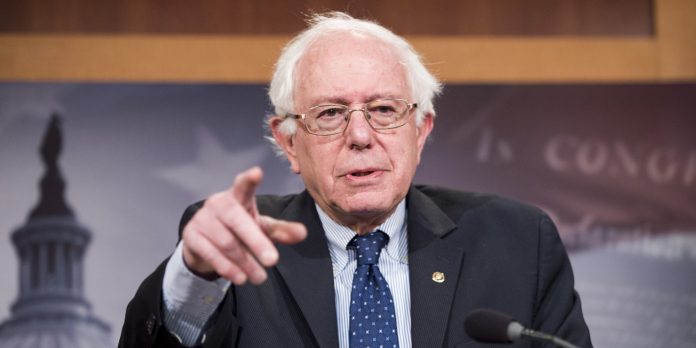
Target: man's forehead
point(347, 63)
point(347, 100)
point(310, 96)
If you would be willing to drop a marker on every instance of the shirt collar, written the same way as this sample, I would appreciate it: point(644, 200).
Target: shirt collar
point(339, 235)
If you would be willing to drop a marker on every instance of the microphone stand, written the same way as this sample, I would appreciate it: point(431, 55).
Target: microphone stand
point(540, 336)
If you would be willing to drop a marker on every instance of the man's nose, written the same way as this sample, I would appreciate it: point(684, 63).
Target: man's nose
point(359, 134)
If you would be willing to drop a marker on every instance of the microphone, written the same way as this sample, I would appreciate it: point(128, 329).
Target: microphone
point(489, 326)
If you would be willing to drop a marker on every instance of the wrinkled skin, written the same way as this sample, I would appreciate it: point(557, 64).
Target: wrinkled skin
point(357, 177)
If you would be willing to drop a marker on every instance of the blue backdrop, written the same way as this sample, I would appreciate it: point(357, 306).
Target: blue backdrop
point(615, 166)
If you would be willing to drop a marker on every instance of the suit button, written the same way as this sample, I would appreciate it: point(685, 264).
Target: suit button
point(208, 299)
point(150, 325)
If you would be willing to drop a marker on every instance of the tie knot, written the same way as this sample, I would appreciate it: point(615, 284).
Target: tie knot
point(369, 246)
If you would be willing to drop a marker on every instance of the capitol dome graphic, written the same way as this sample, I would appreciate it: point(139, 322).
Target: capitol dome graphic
point(51, 309)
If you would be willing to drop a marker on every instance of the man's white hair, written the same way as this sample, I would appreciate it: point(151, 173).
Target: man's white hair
point(424, 86)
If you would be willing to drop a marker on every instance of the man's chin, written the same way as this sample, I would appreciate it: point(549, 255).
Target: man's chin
point(367, 204)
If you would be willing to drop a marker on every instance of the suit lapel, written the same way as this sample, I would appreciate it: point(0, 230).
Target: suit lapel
point(306, 269)
point(431, 292)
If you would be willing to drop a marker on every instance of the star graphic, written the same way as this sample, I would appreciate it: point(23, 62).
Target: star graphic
point(213, 168)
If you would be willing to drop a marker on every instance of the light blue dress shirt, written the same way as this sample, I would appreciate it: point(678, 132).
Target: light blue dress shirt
point(190, 300)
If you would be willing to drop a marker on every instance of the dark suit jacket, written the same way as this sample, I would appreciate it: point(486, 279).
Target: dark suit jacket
point(494, 253)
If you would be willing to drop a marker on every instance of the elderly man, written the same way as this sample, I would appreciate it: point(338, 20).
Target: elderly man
point(362, 258)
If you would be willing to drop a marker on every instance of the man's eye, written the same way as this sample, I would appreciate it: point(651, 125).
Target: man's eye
point(383, 109)
point(332, 112)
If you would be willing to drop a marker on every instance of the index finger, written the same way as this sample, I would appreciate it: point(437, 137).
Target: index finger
point(244, 187)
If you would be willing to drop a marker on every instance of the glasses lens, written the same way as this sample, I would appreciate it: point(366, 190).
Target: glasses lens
point(325, 119)
point(386, 113)
point(332, 118)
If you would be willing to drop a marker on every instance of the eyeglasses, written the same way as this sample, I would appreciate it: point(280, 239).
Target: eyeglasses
point(330, 119)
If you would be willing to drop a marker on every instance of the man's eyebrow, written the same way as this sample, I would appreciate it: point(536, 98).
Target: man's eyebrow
point(343, 101)
point(337, 100)
point(329, 100)
point(377, 96)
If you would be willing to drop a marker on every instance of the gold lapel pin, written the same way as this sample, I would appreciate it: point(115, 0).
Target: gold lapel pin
point(438, 277)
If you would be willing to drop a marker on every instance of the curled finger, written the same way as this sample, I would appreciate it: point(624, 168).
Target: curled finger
point(229, 245)
point(199, 246)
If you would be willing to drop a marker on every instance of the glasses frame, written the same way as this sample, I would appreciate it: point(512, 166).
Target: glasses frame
point(349, 112)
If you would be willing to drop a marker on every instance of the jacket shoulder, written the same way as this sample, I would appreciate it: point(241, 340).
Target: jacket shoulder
point(273, 205)
point(455, 203)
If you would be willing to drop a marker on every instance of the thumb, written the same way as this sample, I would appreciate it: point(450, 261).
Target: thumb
point(282, 231)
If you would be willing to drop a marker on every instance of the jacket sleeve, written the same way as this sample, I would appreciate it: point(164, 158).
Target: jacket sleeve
point(557, 310)
point(143, 325)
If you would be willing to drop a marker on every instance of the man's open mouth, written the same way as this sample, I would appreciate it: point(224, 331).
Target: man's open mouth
point(362, 173)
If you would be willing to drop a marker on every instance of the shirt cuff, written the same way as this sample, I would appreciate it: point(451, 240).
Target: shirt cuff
point(189, 300)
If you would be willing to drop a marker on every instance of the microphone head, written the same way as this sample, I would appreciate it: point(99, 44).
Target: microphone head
point(489, 326)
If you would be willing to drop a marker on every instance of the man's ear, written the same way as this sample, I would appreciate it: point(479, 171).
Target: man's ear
point(285, 141)
point(423, 132)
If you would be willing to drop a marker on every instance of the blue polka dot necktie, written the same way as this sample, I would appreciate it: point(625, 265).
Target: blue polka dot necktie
point(372, 316)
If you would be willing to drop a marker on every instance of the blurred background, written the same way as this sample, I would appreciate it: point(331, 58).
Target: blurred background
point(586, 108)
